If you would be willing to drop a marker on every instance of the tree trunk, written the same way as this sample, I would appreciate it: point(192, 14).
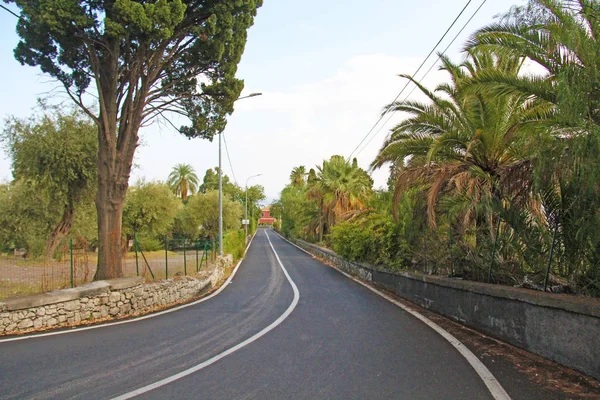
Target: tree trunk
point(109, 240)
point(63, 227)
point(113, 180)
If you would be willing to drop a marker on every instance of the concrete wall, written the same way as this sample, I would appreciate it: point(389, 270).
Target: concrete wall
point(562, 328)
point(102, 300)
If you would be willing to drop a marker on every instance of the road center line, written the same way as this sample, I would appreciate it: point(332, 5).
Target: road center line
point(233, 349)
point(490, 381)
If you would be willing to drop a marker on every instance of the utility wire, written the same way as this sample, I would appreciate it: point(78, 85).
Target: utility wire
point(423, 77)
point(10, 11)
point(229, 158)
point(407, 83)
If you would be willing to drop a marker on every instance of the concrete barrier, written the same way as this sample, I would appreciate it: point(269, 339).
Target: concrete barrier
point(560, 327)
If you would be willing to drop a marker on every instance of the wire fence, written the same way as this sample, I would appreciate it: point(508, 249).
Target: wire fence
point(75, 263)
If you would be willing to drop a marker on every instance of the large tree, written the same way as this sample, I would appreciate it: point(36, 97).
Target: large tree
point(472, 144)
point(56, 152)
point(140, 59)
point(563, 37)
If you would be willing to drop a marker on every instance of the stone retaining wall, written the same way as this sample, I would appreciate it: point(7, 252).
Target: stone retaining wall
point(562, 328)
point(102, 300)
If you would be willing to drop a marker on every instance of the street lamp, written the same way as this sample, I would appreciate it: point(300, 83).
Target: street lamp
point(221, 186)
point(253, 176)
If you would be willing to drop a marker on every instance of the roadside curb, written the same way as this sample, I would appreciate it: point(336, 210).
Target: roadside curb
point(102, 323)
point(495, 388)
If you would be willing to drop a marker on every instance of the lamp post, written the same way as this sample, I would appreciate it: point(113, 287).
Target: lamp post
point(253, 176)
point(221, 186)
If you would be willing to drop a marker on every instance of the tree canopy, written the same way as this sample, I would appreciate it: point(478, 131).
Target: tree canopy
point(55, 150)
point(140, 60)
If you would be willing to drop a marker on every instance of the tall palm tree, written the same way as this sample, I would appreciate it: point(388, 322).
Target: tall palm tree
point(472, 145)
point(183, 180)
point(564, 38)
point(298, 176)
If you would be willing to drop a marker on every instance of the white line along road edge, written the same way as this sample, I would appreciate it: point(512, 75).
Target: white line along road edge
point(147, 316)
point(233, 349)
point(495, 388)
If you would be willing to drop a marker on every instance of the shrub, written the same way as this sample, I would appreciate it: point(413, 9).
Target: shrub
point(234, 243)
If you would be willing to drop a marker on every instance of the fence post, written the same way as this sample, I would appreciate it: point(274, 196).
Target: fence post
point(137, 267)
point(184, 259)
point(494, 249)
point(166, 257)
point(71, 251)
point(550, 255)
point(205, 256)
point(196, 256)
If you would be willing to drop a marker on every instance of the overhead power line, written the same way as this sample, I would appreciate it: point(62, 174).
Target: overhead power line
point(229, 158)
point(10, 11)
point(423, 77)
point(407, 83)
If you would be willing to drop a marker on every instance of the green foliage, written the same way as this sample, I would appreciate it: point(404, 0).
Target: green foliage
point(183, 181)
point(54, 157)
point(234, 242)
point(146, 59)
point(57, 150)
point(147, 242)
point(150, 209)
point(178, 41)
point(26, 217)
point(493, 171)
point(201, 215)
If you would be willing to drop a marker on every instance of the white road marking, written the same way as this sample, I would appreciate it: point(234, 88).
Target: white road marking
point(147, 316)
point(233, 349)
point(495, 388)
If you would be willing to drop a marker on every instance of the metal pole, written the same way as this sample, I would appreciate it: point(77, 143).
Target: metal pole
point(221, 185)
point(184, 259)
point(166, 258)
point(137, 267)
point(220, 201)
point(71, 251)
point(550, 255)
point(247, 222)
point(494, 250)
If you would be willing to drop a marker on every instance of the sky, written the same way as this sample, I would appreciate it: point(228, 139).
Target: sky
point(325, 68)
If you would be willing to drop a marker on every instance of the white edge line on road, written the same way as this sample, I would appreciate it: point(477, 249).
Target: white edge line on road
point(227, 352)
point(495, 388)
point(147, 316)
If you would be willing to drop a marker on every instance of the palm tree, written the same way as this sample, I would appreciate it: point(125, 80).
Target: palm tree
point(298, 176)
point(562, 37)
point(341, 189)
point(468, 144)
point(183, 180)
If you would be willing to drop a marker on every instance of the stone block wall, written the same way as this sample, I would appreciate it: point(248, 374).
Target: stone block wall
point(102, 300)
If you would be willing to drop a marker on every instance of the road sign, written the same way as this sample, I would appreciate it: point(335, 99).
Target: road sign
point(245, 222)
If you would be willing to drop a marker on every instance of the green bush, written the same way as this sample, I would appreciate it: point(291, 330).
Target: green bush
point(148, 243)
point(377, 241)
point(234, 242)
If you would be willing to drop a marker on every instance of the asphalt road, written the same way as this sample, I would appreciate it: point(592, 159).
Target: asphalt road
point(341, 341)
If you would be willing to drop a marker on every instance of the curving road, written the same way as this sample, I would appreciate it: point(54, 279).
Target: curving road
point(340, 341)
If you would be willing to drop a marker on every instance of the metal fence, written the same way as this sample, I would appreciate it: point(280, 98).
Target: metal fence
point(75, 263)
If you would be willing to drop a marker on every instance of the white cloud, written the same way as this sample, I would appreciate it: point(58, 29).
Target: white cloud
point(309, 123)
